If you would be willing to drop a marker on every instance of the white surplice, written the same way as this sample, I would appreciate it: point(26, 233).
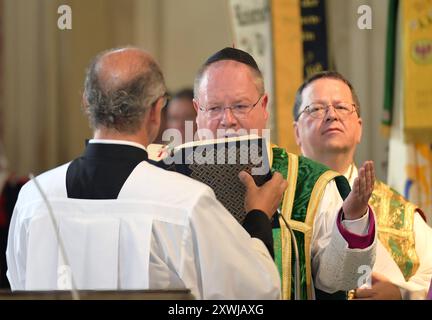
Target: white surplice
point(164, 231)
point(335, 264)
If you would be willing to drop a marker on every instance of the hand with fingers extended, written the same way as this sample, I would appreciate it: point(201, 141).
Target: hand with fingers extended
point(382, 289)
point(265, 198)
point(356, 204)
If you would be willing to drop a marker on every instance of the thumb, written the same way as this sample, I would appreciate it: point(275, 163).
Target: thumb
point(247, 180)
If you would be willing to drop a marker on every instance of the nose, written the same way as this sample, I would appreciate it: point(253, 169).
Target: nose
point(331, 113)
point(228, 120)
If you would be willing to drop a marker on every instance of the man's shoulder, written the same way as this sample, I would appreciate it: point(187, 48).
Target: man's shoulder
point(381, 184)
point(301, 159)
point(382, 189)
point(52, 182)
point(148, 176)
point(306, 168)
point(309, 174)
point(175, 194)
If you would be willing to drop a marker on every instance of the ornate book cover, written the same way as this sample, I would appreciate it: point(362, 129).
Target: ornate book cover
point(218, 162)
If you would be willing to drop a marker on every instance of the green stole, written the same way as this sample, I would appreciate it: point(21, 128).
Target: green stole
point(306, 184)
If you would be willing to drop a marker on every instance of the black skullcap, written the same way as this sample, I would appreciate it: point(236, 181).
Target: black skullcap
point(238, 55)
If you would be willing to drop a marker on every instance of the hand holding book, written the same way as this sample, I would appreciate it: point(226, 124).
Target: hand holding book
point(218, 163)
point(265, 198)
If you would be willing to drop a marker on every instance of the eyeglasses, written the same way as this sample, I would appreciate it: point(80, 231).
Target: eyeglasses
point(319, 110)
point(240, 111)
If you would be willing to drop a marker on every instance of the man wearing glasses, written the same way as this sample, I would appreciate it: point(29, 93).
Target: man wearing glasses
point(127, 224)
point(333, 244)
point(328, 128)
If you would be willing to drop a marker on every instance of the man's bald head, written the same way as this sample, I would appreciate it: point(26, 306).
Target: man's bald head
point(120, 85)
point(116, 68)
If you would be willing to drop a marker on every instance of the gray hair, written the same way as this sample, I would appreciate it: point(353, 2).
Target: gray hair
point(121, 108)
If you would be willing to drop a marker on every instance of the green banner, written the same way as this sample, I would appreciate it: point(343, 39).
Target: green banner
point(390, 64)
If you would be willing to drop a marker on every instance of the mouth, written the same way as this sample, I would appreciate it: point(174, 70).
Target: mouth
point(332, 130)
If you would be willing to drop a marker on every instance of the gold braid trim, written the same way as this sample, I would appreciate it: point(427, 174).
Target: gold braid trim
point(287, 205)
point(395, 221)
point(316, 196)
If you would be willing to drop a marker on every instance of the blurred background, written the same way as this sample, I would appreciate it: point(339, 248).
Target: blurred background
point(42, 68)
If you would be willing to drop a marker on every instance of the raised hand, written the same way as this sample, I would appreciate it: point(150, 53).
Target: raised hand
point(265, 198)
point(356, 204)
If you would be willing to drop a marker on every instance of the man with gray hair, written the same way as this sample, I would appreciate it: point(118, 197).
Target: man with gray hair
point(123, 223)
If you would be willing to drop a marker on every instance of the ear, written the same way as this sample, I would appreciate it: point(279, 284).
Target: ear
point(360, 131)
point(155, 112)
point(264, 103)
point(195, 105)
point(297, 133)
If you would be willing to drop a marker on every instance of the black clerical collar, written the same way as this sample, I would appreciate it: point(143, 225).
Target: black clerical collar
point(115, 151)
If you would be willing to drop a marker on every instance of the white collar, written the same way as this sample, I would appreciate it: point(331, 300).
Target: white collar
point(111, 141)
point(351, 173)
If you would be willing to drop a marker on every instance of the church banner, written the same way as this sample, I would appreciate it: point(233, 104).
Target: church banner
point(251, 21)
point(390, 57)
point(410, 164)
point(288, 38)
point(410, 172)
point(417, 51)
point(314, 30)
point(288, 66)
